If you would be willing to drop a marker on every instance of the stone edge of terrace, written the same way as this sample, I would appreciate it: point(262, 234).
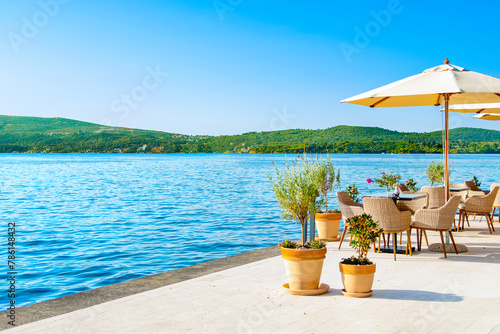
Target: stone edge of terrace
point(54, 307)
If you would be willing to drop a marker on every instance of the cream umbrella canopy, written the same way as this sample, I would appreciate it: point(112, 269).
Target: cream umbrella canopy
point(488, 117)
point(490, 108)
point(441, 85)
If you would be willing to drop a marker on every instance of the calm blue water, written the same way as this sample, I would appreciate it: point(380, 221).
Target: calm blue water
point(91, 220)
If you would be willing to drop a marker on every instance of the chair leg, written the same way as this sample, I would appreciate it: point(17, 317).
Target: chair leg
point(488, 223)
point(379, 243)
point(464, 214)
point(425, 236)
point(460, 215)
point(408, 242)
point(491, 222)
point(416, 230)
point(394, 244)
point(467, 217)
point(442, 243)
point(420, 239)
point(400, 237)
point(453, 242)
point(342, 237)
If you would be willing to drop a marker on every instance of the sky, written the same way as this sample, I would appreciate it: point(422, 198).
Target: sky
point(218, 67)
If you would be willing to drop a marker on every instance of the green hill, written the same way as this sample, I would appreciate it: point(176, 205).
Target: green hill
point(36, 134)
point(348, 134)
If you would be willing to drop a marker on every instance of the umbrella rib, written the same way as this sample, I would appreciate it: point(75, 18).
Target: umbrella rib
point(378, 102)
point(437, 101)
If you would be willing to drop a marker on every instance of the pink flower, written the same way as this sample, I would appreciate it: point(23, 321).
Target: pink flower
point(369, 180)
point(382, 173)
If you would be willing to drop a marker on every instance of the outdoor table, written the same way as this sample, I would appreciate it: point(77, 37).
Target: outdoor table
point(401, 197)
point(459, 189)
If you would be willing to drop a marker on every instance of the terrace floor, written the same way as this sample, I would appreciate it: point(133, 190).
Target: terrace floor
point(423, 293)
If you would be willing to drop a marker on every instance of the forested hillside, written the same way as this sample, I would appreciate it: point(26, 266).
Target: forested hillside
point(35, 134)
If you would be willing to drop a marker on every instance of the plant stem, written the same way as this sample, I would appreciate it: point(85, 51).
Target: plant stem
point(304, 238)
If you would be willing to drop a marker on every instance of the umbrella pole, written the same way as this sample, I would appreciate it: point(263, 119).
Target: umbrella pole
point(446, 148)
point(446, 152)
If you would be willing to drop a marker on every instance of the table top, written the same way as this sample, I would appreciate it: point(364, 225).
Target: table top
point(402, 197)
point(459, 189)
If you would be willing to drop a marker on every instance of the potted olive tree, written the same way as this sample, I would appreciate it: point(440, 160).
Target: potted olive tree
point(435, 172)
point(328, 221)
point(357, 271)
point(296, 188)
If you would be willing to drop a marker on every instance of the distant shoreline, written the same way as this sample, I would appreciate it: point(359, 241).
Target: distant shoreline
point(20, 134)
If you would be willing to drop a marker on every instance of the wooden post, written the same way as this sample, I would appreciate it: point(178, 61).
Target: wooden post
point(446, 148)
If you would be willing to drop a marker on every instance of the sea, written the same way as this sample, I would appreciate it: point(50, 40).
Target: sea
point(84, 221)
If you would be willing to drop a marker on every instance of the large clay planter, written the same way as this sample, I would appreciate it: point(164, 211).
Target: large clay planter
point(303, 267)
point(328, 225)
point(357, 280)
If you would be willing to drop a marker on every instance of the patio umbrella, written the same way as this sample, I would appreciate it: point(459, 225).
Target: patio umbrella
point(441, 85)
point(490, 108)
point(488, 117)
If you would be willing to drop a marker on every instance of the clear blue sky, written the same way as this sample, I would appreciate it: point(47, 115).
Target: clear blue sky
point(233, 66)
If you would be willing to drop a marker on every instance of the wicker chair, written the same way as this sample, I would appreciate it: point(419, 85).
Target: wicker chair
point(496, 204)
point(413, 205)
point(479, 205)
point(463, 193)
point(403, 188)
point(349, 209)
point(440, 220)
point(436, 196)
point(474, 190)
point(385, 212)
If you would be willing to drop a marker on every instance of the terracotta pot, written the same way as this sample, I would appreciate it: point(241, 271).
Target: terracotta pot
point(303, 267)
point(328, 225)
point(357, 280)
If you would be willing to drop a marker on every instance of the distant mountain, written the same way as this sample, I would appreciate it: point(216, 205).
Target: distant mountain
point(36, 134)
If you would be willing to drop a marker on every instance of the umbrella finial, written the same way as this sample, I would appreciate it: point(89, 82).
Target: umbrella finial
point(446, 61)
